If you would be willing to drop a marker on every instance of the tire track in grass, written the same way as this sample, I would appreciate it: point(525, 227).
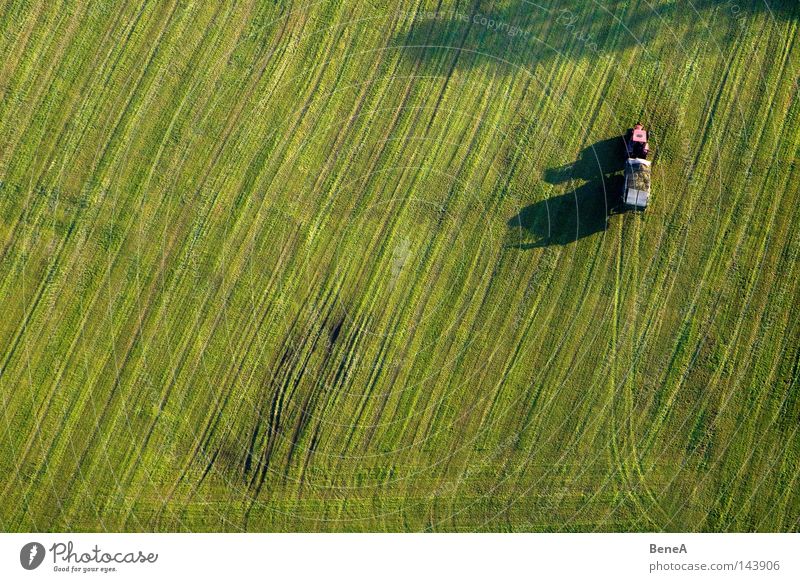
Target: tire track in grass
point(583, 299)
point(48, 163)
point(752, 279)
point(61, 99)
point(560, 460)
point(752, 416)
point(11, 65)
point(280, 369)
point(237, 370)
point(224, 139)
point(526, 340)
point(315, 91)
point(324, 175)
point(350, 358)
point(291, 245)
point(56, 258)
point(18, 46)
point(330, 379)
point(473, 147)
point(294, 376)
point(218, 417)
point(72, 226)
point(696, 352)
point(140, 78)
point(248, 340)
point(99, 70)
point(627, 492)
point(716, 254)
point(196, 451)
point(175, 370)
point(600, 88)
point(706, 133)
point(655, 317)
point(398, 110)
point(790, 352)
point(129, 98)
point(386, 230)
point(768, 380)
point(629, 467)
point(555, 74)
point(452, 365)
point(623, 383)
point(200, 321)
point(487, 291)
point(5, 410)
point(428, 255)
point(43, 86)
point(208, 337)
point(37, 295)
point(640, 342)
point(337, 286)
point(781, 507)
point(563, 456)
point(644, 335)
point(157, 158)
point(352, 118)
point(653, 320)
point(633, 332)
point(637, 479)
point(215, 325)
point(421, 164)
point(81, 328)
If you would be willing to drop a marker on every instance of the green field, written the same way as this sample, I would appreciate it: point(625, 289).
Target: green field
point(346, 266)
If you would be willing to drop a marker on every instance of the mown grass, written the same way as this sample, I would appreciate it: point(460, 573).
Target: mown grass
point(348, 266)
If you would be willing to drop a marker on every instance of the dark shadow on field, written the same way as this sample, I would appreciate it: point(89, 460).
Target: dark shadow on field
point(525, 33)
point(579, 212)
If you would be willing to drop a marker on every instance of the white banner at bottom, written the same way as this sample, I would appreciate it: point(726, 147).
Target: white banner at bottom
point(374, 557)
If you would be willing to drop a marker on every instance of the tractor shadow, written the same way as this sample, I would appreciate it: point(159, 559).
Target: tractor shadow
point(602, 158)
point(581, 211)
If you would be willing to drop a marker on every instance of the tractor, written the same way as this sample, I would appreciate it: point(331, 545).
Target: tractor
point(636, 187)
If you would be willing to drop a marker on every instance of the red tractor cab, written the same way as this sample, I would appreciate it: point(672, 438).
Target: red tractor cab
point(636, 142)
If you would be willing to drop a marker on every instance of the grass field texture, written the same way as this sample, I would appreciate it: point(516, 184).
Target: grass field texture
point(346, 266)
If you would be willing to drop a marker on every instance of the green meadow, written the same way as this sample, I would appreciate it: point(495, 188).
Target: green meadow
point(352, 266)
